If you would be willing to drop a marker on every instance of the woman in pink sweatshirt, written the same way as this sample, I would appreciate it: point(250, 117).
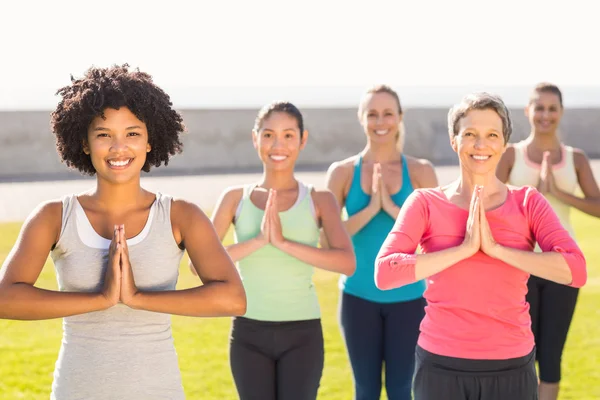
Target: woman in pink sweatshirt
point(477, 237)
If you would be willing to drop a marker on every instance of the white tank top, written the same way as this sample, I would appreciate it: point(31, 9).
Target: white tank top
point(526, 172)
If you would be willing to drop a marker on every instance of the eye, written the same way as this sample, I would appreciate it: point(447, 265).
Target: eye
point(133, 134)
point(494, 135)
point(371, 115)
point(266, 135)
point(102, 135)
point(468, 134)
point(388, 114)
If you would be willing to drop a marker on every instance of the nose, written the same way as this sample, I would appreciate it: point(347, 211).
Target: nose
point(479, 143)
point(118, 144)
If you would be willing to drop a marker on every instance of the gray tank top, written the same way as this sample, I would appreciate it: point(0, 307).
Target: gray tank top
point(118, 353)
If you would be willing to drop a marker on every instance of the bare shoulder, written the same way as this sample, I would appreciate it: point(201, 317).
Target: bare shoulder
point(323, 197)
point(422, 172)
point(579, 157)
point(45, 219)
point(325, 202)
point(182, 210)
point(418, 164)
point(509, 154)
point(341, 170)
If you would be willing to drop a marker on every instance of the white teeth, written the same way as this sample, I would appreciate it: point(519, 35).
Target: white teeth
point(481, 158)
point(278, 158)
point(119, 163)
point(382, 132)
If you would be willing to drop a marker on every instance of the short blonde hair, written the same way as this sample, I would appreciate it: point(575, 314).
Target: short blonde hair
point(479, 101)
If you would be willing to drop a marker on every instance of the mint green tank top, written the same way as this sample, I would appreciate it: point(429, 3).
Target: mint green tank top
point(278, 286)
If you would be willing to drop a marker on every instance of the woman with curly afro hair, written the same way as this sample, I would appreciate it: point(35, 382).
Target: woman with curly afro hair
point(117, 247)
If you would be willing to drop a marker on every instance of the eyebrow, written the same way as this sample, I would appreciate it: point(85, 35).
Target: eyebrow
point(373, 110)
point(286, 129)
point(100, 128)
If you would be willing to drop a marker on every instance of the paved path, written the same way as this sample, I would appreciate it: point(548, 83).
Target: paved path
point(17, 200)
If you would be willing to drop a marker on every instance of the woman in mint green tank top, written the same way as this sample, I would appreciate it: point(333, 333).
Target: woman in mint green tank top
point(117, 247)
point(277, 347)
point(380, 328)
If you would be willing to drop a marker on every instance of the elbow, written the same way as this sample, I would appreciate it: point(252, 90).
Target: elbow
point(577, 266)
point(381, 281)
point(238, 304)
point(350, 265)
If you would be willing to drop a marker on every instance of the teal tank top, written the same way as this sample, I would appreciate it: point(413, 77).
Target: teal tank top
point(368, 241)
point(278, 286)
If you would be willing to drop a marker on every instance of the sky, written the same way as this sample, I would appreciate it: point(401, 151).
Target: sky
point(224, 54)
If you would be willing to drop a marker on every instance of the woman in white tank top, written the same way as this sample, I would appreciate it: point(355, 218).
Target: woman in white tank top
point(117, 248)
point(556, 169)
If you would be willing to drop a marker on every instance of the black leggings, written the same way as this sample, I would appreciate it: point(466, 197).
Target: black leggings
point(551, 307)
point(448, 378)
point(276, 360)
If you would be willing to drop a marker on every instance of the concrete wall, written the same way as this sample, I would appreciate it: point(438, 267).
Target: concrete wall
point(219, 140)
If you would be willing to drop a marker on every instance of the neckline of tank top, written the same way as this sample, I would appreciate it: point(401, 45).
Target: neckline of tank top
point(404, 172)
point(88, 235)
point(302, 193)
point(563, 157)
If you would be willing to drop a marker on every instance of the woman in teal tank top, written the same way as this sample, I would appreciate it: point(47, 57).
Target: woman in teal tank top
point(277, 347)
point(379, 327)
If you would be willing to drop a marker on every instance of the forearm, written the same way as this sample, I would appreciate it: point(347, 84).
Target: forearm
point(241, 250)
point(22, 301)
point(213, 299)
point(356, 222)
point(393, 211)
point(550, 265)
point(588, 206)
point(398, 269)
point(331, 259)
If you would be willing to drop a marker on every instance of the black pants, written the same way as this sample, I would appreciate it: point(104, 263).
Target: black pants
point(448, 378)
point(276, 360)
point(379, 335)
point(551, 307)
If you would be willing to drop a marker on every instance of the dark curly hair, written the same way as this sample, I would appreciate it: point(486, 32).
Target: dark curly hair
point(115, 87)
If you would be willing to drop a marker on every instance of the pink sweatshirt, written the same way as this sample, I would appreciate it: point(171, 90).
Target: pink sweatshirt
point(476, 308)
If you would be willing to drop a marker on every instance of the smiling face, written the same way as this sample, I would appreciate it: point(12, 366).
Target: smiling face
point(479, 142)
point(544, 112)
point(117, 145)
point(278, 141)
point(380, 118)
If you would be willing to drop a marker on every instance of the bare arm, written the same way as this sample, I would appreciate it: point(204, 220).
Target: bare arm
point(506, 164)
point(19, 298)
point(339, 256)
point(223, 218)
point(590, 204)
point(221, 294)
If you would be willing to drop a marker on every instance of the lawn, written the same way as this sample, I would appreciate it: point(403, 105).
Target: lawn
point(28, 350)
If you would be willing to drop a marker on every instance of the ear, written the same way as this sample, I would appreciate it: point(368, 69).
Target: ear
point(148, 148)
point(526, 111)
point(254, 139)
point(454, 144)
point(304, 139)
point(86, 147)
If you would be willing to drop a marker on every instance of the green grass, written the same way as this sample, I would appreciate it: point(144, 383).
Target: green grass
point(28, 350)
